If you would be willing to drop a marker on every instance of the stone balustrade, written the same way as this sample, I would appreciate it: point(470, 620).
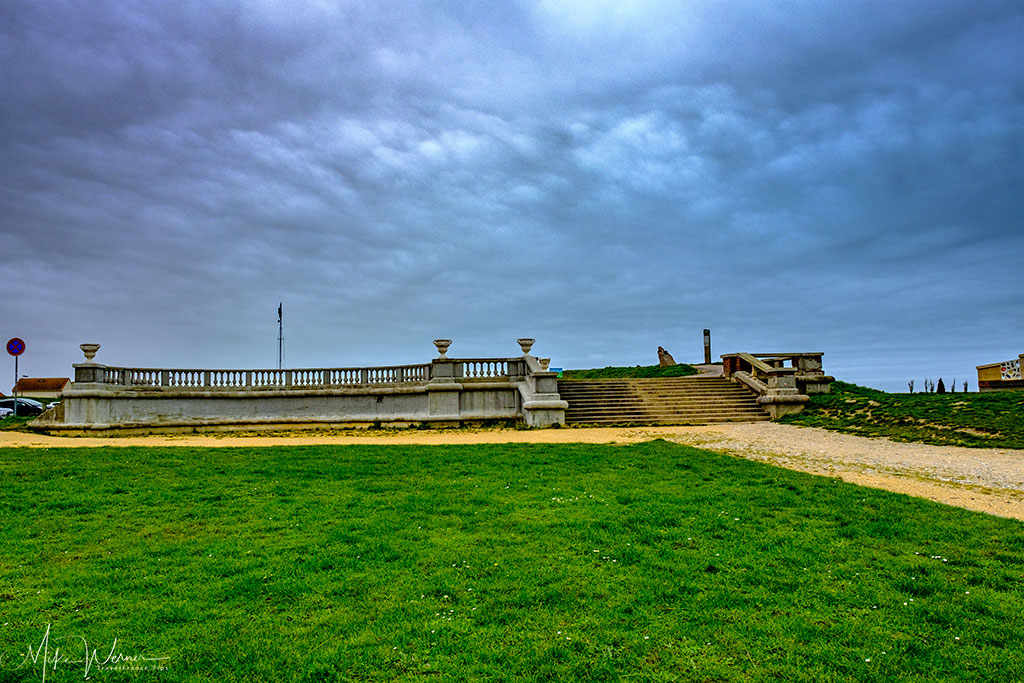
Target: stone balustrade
point(253, 379)
point(782, 381)
point(444, 391)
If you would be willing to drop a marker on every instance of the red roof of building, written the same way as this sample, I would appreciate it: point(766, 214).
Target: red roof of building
point(28, 385)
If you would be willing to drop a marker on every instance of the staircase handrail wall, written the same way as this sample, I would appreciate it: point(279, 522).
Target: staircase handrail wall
point(783, 382)
point(755, 385)
point(538, 390)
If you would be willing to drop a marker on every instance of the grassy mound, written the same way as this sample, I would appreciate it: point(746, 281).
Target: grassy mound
point(680, 370)
point(984, 420)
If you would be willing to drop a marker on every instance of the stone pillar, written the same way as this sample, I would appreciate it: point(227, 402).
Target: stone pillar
point(809, 363)
point(782, 397)
point(782, 384)
point(443, 389)
point(89, 372)
point(707, 347)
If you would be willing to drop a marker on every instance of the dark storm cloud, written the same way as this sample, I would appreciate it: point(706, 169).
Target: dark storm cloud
point(606, 176)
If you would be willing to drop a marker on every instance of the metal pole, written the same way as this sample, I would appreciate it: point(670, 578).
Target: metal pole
point(707, 347)
point(280, 335)
point(15, 389)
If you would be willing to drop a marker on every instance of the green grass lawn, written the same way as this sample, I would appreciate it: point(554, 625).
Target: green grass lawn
point(985, 420)
point(678, 370)
point(650, 562)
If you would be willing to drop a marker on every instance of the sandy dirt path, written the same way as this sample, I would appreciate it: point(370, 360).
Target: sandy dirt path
point(986, 480)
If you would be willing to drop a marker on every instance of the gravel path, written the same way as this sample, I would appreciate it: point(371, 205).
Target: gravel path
point(986, 480)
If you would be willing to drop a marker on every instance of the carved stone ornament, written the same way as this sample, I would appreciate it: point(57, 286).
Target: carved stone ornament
point(89, 350)
point(442, 346)
point(526, 345)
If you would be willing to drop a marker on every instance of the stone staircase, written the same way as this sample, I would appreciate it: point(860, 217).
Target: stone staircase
point(668, 400)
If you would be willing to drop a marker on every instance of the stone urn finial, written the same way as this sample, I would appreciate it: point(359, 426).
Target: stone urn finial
point(442, 346)
point(89, 350)
point(545, 363)
point(526, 345)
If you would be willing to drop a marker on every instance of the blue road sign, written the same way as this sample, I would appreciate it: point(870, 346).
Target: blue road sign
point(15, 347)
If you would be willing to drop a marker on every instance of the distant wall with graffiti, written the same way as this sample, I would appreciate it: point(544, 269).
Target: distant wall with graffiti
point(1001, 376)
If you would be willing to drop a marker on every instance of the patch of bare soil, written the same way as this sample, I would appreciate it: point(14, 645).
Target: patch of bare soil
point(984, 479)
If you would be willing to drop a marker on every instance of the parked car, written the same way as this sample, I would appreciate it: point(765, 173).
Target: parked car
point(4, 412)
point(26, 406)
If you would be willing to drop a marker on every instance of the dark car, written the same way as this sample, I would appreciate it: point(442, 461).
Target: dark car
point(26, 406)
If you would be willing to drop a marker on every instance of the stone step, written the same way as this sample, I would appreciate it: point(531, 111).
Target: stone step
point(705, 408)
point(639, 398)
point(668, 419)
point(675, 418)
point(677, 394)
point(667, 422)
point(621, 414)
point(676, 400)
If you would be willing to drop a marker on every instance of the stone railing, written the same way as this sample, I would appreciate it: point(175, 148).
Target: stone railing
point(446, 390)
point(306, 378)
point(782, 381)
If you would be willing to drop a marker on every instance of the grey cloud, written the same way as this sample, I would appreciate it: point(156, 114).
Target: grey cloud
point(615, 178)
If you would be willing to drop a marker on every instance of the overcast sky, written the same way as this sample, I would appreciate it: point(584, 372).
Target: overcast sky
point(606, 176)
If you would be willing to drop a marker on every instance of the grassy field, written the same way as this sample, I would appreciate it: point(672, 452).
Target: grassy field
point(650, 562)
point(679, 370)
point(985, 420)
point(15, 423)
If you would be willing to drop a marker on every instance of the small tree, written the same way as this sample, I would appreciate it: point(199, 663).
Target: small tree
point(910, 385)
point(965, 386)
point(942, 387)
point(952, 386)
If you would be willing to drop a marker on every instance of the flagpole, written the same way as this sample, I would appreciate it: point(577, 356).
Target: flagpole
point(280, 335)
